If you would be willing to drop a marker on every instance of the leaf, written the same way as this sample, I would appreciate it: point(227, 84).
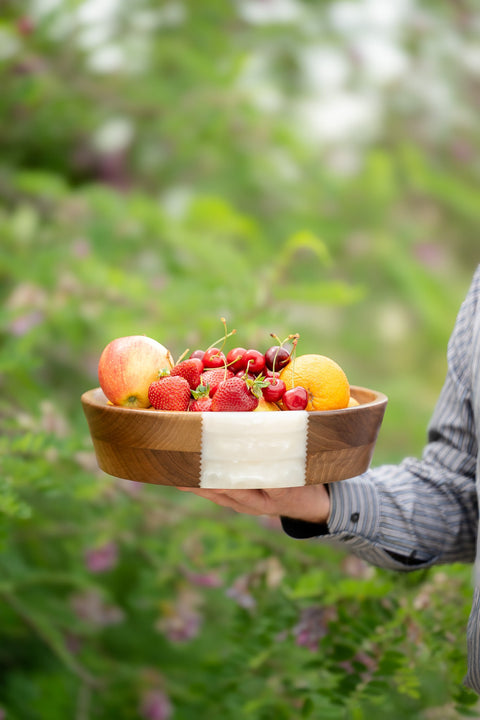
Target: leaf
point(11, 504)
point(50, 635)
point(325, 292)
point(302, 245)
point(310, 584)
point(260, 658)
point(342, 651)
point(307, 708)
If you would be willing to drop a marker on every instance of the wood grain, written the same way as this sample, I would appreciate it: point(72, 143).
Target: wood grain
point(158, 467)
point(340, 443)
point(164, 448)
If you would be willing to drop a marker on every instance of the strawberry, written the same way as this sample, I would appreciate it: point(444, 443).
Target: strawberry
point(203, 404)
point(201, 400)
point(169, 393)
point(214, 376)
point(235, 394)
point(190, 369)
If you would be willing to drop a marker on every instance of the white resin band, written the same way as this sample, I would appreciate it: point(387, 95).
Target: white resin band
point(253, 449)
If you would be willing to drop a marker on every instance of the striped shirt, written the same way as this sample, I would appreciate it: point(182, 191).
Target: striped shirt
point(424, 511)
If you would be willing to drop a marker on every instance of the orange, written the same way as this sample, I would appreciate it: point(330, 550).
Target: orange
point(324, 380)
point(265, 406)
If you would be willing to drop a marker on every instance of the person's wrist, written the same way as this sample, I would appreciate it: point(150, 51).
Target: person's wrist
point(314, 519)
point(316, 509)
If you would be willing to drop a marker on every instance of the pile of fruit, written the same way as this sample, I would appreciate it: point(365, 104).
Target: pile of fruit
point(138, 372)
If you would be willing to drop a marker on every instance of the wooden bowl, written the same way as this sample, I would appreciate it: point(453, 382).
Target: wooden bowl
point(234, 450)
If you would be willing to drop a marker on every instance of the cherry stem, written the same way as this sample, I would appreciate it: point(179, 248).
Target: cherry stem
point(293, 355)
point(223, 338)
point(275, 360)
point(182, 356)
point(293, 337)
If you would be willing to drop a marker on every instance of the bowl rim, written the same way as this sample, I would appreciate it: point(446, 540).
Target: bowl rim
point(96, 398)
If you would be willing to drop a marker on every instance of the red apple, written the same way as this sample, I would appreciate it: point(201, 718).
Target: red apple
point(127, 367)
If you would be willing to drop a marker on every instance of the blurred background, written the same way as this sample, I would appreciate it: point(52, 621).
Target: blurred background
point(294, 166)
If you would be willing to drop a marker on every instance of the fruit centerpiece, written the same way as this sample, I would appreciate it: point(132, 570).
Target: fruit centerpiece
point(237, 419)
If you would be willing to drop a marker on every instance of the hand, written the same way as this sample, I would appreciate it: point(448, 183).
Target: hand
point(310, 503)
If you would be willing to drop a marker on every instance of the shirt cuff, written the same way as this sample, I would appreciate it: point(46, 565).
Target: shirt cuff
point(355, 510)
point(354, 513)
point(300, 529)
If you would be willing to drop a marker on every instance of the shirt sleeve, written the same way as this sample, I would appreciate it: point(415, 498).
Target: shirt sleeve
point(423, 511)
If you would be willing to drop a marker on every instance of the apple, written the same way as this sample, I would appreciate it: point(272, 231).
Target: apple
point(127, 367)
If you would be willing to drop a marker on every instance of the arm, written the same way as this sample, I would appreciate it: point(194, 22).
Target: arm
point(412, 515)
point(421, 512)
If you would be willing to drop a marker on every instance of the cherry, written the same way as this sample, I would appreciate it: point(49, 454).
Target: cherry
point(214, 358)
point(296, 398)
point(236, 359)
point(254, 361)
point(245, 376)
point(198, 354)
point(275, 390)
point(270, 374)
point(277, 356)
point(197, 363)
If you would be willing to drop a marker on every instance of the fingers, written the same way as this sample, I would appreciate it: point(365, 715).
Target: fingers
point(311, 502)
point(251, 502)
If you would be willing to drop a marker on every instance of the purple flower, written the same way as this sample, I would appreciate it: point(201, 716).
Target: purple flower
point(73, 643)
point(102, 558)
point(312, 626)
point(91, 607)
point(462, 151)
point(180, 627)
point(240, 592)
point(3, 715)
point(181, 621)
point(370, 664)
point(155, 705)
point(81, 248)
point(210, 579)
point(24, 323)
point(430, 255)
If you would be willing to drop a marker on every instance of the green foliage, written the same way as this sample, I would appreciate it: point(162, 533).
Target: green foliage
point(157, 197)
